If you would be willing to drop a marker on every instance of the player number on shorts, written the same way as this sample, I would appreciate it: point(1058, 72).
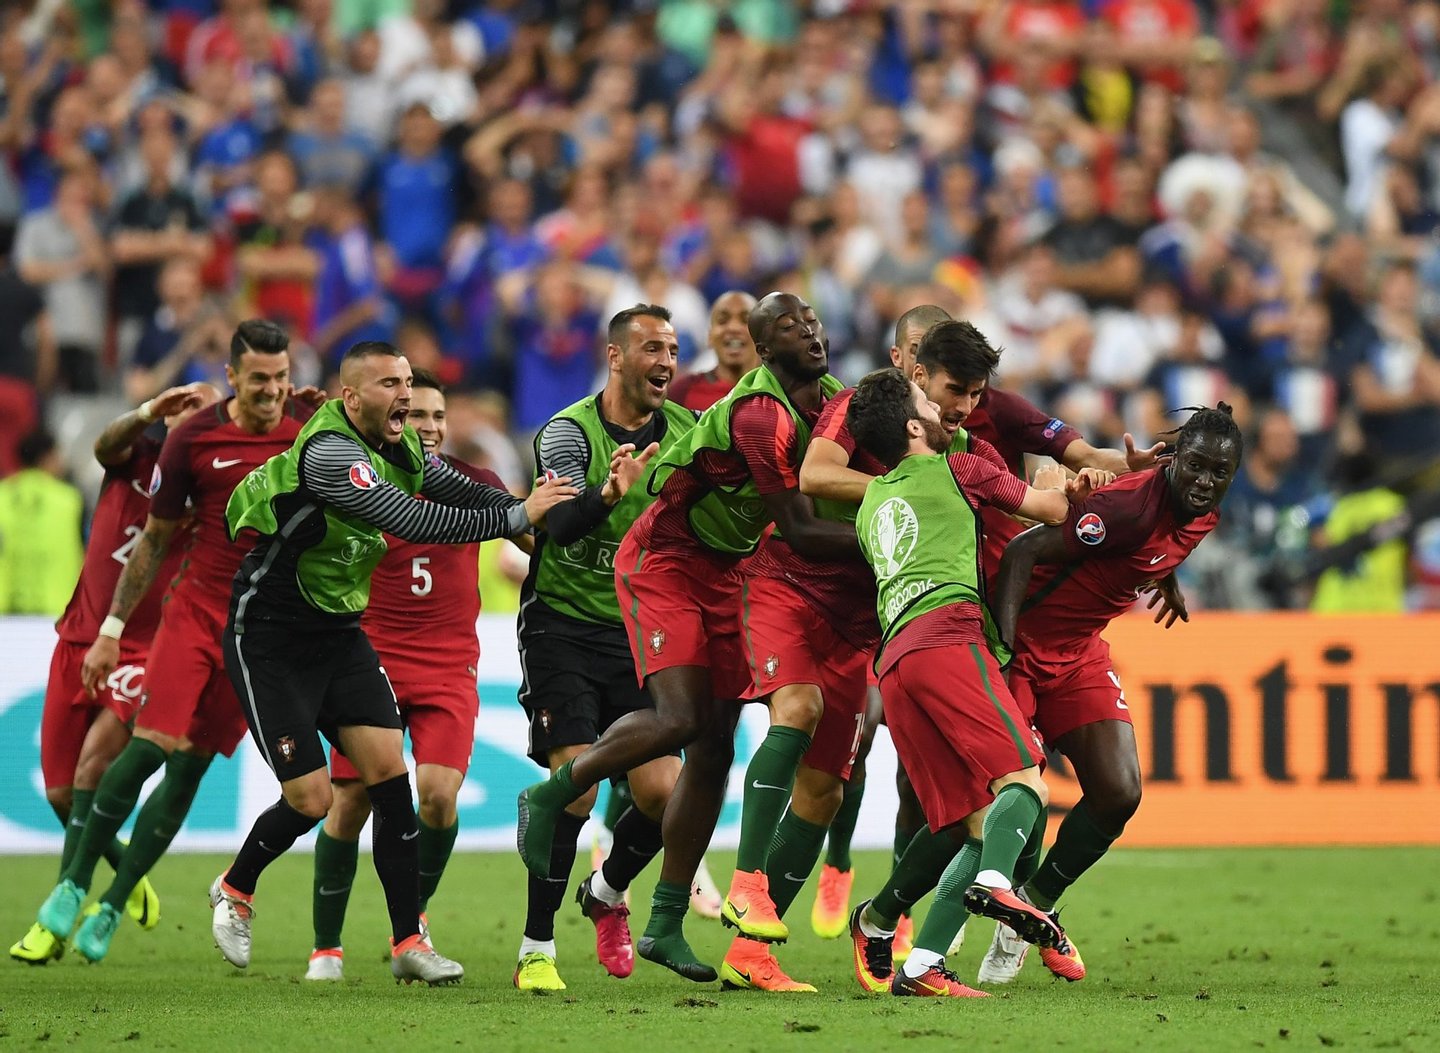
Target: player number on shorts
point(423, 580)
point(132, 538)
point(1120, 702)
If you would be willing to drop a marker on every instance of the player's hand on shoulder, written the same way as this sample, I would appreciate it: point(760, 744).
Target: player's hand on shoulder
point(99, 662)
point(626, 470)
point(1138, 460)
point(175, 400)
point(1086, 482)
point(309, 396)
point(1050, 477)
point(548, 492)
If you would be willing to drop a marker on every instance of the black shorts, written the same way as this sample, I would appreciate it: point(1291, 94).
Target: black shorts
point(295, 685)
point(573, 692)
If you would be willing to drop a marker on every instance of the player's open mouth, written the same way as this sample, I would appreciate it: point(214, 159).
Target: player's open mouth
point(1200, 502)
point(735, 342)
point(395, 423)
point(816, 350)
point(951, 424)
point(659, 382)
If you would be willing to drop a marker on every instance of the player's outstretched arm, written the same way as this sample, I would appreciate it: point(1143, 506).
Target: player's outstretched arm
point(1080, 454)
point(113, 446)
point(809, 535)
point(1041, 544)
point(139, 575)
point(562, 450)
point(826, 473)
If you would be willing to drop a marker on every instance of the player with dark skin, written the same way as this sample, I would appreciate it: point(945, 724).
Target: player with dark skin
point(1102, 580)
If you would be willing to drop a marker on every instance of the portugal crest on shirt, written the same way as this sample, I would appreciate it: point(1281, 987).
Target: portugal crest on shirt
point(772, 666)
point(657, 640)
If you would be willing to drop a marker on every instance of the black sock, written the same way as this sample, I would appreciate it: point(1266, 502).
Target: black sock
point(276, 829)
point(397, 853)
point(546, 894)
point(637, 841)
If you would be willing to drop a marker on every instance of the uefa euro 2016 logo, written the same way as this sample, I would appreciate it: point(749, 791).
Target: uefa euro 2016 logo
point(893, 532)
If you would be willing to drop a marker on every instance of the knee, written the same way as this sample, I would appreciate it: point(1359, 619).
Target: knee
point(313, 802)
point(436, 805)
point(817, 799)
point(583, 805)
point(799, 706)
point(651, 792)
point(1115, 804)
point(60, 798)
point(681, 729)
point(714, 752)
point(88, 772)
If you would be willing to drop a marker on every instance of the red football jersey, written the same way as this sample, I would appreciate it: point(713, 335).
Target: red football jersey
point(424, 599)
point(699, 391)
point(1124, 536)
point(203, 461)
point(119, 520)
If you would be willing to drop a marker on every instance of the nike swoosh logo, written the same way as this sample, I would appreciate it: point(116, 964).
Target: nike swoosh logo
point(1157, 559)
point(798, 880)
point(902, 900)
point(738, 912)
point(1020, 832)
point(932, 990)
point(410, 836)
point(78, 823)
point(332, 891)
point(762, 786)
point(218, 463)
point(103, 813)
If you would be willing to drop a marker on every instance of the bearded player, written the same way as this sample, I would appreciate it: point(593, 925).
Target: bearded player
point(81, 733)
point(1058, 588)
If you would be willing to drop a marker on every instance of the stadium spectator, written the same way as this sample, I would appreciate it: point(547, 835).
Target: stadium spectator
point(186, 339)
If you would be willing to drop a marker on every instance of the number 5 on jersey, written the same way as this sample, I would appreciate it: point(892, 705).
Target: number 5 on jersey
point(424, 581)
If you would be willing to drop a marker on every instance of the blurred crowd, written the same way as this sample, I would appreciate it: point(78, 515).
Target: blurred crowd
point(1149, 204)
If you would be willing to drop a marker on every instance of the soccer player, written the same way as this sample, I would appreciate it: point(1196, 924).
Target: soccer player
point(81, 734)
point(970, 753)
point(578, 676)
point(1058, 588)
point(734, 354)
point(421, 621)
point(188, 712)
point(719, 491)
point(294, 648)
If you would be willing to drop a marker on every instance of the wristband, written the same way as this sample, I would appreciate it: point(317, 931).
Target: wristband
point(145, 412)
point(112, 627)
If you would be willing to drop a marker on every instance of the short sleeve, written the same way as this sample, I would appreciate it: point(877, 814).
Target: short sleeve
point(1111, 521)
point(763, 433)
point(175, 482)
point(987, 483)
point(832, 424)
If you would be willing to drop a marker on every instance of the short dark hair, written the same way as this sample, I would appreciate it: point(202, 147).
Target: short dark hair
point(257, 334)
point(1219, 422)
point(957, 348)
point(927, 315)
point(620, 324)
point(35, 447)
point(423, 378)
point(369, 348)
point(882, 405)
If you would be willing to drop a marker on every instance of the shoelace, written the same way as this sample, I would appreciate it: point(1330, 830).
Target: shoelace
point(947, 974)
point(242, 910)
point(878, 956)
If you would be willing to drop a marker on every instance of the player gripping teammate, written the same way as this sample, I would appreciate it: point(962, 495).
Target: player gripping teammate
point(734, 353)
point(188, 712)
point(971, 756)
point(294, 648)
point(719, 491)
point(1058, 588)
point(81, 734)
point(421, 621)
point(577, 674)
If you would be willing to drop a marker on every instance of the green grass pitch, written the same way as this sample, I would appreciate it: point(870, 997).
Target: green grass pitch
point(1187, 950)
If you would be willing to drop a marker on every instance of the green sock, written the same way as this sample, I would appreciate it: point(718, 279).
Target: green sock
point(160, 819)
point(558, 790)
point(793, 854)
point(916, 874)
point(947, 913)
point(335, 864)
point(768, 780)
point(619, 799)
point(75, 825)
point(842, 827)
point(436, 844)
point(1029, 860)
point(1008, 828)
point(667, 909)
point(112, 804)
point(1078, 846)
point(114, 852)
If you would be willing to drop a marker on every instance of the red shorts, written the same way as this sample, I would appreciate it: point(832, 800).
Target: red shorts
point(69, 713)
point(187, 694)
point(438, 706)
point(787, 642)
point(682, 608)
point(1060, 696)
point(956, 728)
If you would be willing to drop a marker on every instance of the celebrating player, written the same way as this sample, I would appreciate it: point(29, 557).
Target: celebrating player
point(1058, 588)
point(79, 734)
point(734, 354)
point(970, 753)
point(188, 712)
point(719, 491)
point(578, 676)
point(421, 621)
point(294, 648)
